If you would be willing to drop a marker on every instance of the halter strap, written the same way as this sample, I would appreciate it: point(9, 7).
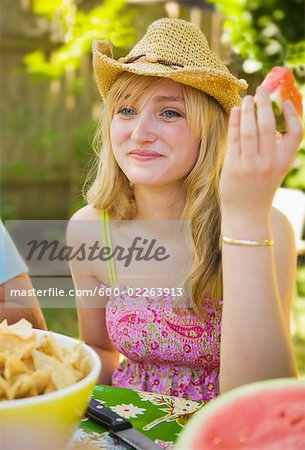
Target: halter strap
point(106, 239)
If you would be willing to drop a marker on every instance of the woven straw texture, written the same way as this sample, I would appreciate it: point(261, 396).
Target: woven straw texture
point(167, 45)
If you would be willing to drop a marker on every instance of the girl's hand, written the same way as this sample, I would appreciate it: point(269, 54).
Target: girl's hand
point(257, 156)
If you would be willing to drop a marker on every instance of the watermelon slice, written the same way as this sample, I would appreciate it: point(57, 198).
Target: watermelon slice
point(267, 415)
point(281, 85)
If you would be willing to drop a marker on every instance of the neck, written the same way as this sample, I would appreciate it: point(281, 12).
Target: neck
point(159, 203)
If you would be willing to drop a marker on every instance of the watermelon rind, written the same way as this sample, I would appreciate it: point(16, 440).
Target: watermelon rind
point(281, 86)
point(277, 108)
point(198, 421)
point(280, 123)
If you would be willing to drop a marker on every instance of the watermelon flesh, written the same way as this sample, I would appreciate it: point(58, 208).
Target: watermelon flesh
point(268, 415)
point(281, 85)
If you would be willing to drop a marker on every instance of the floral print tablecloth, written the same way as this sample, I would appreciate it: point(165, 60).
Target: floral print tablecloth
point(159, 417)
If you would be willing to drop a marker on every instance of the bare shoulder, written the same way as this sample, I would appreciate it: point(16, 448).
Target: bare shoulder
point(88, 212)
point(78, 231)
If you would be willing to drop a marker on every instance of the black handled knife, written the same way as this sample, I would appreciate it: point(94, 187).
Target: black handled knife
point(118, 426)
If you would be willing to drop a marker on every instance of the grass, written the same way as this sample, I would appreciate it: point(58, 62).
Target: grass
point(298, 332)
point(298, 320)
point(64, 320)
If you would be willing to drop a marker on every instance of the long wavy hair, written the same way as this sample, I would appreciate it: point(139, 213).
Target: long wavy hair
point(112, 190)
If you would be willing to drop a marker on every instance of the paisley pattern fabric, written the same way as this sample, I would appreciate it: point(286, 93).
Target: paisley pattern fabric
point(168, 351)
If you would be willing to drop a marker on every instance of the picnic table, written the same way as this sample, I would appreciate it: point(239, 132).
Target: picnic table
point(159, 417)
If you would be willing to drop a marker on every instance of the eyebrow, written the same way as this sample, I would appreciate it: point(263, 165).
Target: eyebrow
point(169, 98)
point(162, 98)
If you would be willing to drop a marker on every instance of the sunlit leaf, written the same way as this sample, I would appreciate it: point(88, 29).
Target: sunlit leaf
point(251, 66)
point(75, 29)
point(46, 7)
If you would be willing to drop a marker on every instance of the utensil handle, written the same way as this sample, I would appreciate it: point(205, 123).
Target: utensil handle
point(105, 416)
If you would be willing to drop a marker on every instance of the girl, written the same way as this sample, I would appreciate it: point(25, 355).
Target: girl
point(177, 146)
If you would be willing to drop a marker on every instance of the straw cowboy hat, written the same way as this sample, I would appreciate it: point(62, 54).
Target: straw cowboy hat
point(175, 49)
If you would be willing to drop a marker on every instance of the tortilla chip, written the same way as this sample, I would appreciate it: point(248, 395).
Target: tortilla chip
point(32, 364)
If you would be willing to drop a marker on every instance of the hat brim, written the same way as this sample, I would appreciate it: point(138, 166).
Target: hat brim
point(223, 86)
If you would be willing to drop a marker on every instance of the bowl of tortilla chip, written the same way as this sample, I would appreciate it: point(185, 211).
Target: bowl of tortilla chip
point(46, 380)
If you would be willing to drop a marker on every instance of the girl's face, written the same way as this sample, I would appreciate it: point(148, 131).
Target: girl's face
point(151, 140)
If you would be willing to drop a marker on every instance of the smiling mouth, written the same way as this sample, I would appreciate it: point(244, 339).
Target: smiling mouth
point(143, 155)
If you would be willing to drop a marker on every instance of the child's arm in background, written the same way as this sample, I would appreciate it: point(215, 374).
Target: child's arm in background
point(14, 310)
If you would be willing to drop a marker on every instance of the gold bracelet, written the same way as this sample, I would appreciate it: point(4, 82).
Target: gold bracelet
point(247, 242)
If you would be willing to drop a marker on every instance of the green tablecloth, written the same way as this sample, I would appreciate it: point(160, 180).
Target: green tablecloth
point(159, 417)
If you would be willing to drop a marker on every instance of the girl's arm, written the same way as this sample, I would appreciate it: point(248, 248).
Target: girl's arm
point(257, 281)
point(258, 286)
point(91, 310)
point(92, 329)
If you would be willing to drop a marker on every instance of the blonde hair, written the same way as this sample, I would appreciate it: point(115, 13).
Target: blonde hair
point(111, 189)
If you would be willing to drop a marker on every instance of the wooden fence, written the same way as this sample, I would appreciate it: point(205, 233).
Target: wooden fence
point(46, 125)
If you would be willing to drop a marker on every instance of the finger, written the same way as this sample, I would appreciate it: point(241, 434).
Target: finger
point(278, 137)
point(265, 123)
point(248, 129)
point(293, 137)
point(233, 148)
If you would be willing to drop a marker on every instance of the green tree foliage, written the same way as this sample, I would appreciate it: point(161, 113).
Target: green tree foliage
point(72, 30)
point(268, 33)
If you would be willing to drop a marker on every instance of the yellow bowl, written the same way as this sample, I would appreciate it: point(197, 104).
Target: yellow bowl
point(47, 422)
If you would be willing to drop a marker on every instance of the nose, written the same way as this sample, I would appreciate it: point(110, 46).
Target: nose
point(143, 131)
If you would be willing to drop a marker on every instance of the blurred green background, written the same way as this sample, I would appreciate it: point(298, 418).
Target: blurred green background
point(50, 104)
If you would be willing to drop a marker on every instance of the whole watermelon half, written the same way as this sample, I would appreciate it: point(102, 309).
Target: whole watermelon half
point(281, 85)
point(267, 415)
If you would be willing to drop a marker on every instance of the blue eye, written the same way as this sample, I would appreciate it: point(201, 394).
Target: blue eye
point(127, 111)
point(169, 113)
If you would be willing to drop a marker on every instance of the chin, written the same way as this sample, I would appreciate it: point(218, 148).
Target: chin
point(145, 179)
point(153, 179)
point(155, 183)
point(145, 182)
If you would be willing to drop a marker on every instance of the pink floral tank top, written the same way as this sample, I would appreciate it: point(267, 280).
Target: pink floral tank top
point(166, 351)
